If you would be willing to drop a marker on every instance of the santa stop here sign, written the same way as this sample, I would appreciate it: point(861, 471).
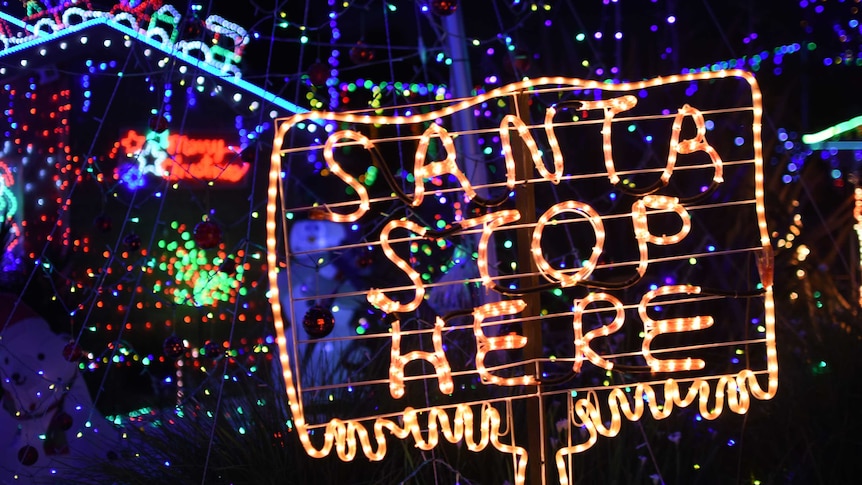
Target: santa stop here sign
point(604, 245)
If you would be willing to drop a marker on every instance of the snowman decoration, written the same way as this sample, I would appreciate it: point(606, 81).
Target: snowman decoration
point(48, 425)
point(326, 306)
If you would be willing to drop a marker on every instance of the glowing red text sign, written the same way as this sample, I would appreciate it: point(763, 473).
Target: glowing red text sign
point(179, 157)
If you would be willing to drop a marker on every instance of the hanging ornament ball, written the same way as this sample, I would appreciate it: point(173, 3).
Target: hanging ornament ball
point(72, 352)
point(133, 241)
point(318, 73)
point(28, 455)
point(158, 123)
point(174, 347)
point(444, 7)
point(207, 234)
point(103, 223)
point(213, 349)
point(361, 53)
point(318, 321)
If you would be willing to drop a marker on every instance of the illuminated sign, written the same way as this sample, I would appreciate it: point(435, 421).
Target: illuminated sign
point(620, 225)
point(179, 157)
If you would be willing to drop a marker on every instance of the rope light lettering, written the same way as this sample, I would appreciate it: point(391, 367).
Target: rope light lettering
point(613, 232)
point(436, 358)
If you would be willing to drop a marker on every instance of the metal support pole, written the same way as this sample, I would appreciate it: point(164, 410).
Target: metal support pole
point(525, 203)
point(461, 85)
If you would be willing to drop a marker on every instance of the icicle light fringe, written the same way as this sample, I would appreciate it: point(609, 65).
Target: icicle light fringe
point(735, 390)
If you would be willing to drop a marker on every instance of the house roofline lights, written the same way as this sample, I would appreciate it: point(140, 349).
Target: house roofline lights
point(172, 49)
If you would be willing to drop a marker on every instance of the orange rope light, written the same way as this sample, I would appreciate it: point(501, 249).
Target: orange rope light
point(658, 397)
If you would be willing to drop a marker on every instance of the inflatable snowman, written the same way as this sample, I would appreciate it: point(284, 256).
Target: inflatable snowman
point(49, 428)
point(324, 317)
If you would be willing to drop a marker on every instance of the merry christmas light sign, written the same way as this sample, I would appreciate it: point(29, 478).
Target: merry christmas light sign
point(601, 246)
point(179, 157)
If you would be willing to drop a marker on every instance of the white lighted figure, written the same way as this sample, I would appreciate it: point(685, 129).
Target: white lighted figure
point(322, 321)
point(48, 425)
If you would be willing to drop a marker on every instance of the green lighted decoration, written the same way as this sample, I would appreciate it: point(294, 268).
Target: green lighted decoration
point(818, 141)
point(196, 275)
point(166, 16)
